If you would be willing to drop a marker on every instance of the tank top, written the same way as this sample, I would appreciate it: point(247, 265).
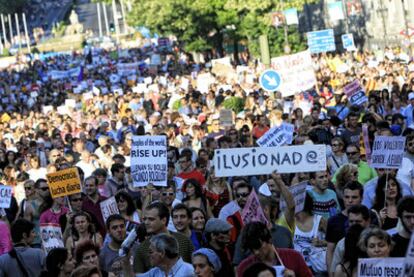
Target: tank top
point(302, 242)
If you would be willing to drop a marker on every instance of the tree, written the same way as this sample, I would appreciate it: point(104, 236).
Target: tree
point(201, 24)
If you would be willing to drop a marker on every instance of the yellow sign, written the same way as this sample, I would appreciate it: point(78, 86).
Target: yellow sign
point(64, 182)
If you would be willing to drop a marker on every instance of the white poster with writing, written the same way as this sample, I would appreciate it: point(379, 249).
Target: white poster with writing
point(296, 72)
point(277, 136)
point(149, 160)
point(380, 267)
point(5, 196)
point(387, 152)
point(51, 235)
point(299, 194)
point(109, 207)
point(265, 160)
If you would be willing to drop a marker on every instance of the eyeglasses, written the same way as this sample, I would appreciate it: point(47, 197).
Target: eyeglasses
point(44, 188)
point(243, 194)
point(167, 193)
point(352, 153)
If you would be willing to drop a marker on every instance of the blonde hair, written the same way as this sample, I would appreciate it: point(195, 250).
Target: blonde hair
point(342, 177)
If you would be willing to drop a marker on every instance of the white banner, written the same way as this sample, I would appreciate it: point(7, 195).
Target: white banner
point(127, 68)
point(387, 152)
point(296, 72)
point(149, 160)
point(109, 207)
point(299, 194)
point(5, 196)
point(51, 235)
point(264, 160)
point(380, 267)
point(277, 136)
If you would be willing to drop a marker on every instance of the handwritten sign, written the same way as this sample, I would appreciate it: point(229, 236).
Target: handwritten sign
point(355, 93)
point(387, 152)
point(109, 207)
point(277, 136)
point(5, 196)
point(149, 160)
point(296, 72)
point(380, 267)
point(51, 236)
point(64, 182)
point(264, 160)
point(299, 194)
point(252, 211)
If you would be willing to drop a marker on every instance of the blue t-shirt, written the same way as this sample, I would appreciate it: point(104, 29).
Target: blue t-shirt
point(325, 204)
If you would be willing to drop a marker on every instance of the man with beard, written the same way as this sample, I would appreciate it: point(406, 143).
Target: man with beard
point(217, 232)
point(231, 212)
point(181, 217)
point(91, 202)
point(325, 202)
point(109, 256)
point(405, 211)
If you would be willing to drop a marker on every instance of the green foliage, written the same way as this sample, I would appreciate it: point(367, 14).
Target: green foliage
point(234, 103)
point(14, 6)
point(202, 24)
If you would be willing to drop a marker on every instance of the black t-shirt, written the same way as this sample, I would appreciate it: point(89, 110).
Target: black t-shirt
point(400, 247)
point(336, 228)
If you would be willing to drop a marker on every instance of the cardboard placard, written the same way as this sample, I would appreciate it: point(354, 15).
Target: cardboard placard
point(64, 182)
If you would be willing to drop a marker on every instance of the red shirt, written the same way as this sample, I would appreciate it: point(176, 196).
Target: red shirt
point(291, 259)
point(95, 209)
point(258, 131)
point(194, 174)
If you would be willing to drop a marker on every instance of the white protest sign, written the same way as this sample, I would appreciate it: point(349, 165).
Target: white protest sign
point(226, 117)
point(299, 194)
point(109, 207)
point(277, 135)
point(380, 267)
point(252, 211)
point(387, 152)
point(156, 59)
point(47, 109)
point(5, 196)
point(127, 68)
point(355, 93)
point(296, 72)
point(70, 103)
point(409, 259)
point(264, 160)
point(51, 236)
point(149, 160)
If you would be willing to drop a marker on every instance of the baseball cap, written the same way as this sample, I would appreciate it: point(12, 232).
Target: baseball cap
point(216, 225)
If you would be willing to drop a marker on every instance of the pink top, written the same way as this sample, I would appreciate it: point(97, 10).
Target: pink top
point(5, 238)
point(50, 217)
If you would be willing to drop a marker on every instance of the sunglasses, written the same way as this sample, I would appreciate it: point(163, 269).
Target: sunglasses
point(44, 188)
point(167, 193)
point(352, 153)
point(244, 194)
point(410, 144)
point(28, 188)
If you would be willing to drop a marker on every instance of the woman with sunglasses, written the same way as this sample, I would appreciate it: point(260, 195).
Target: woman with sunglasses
point(338, 156)
point(195, 197)
point(347, 173)
point(82, 229)
point(387, 195)
point(127, 209)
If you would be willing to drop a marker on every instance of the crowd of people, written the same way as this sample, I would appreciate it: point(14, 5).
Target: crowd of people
point(82, 110)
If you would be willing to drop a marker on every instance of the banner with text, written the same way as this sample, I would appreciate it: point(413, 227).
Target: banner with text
point(64, 182)
point(149, 160)
point(380, 267)
point(296, 72)
point(264, 160)
point(355, 93)
point(299, 194)
point(252, 211)
point(409, 259)
point(277, 136)
point(51, 236)
point(5, 196)
point(109, 207)
point(387, 152)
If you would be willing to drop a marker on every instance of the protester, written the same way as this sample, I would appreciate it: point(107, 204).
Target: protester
point(59, 262)
point(375, 243)
point(206, 263)
point(405, 211)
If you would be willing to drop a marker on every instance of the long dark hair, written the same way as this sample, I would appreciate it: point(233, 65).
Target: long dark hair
point(352, 251)
point(380, 193)
point(91, 228)
point(54, 260)
point(198, 191)
point(130, 202)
